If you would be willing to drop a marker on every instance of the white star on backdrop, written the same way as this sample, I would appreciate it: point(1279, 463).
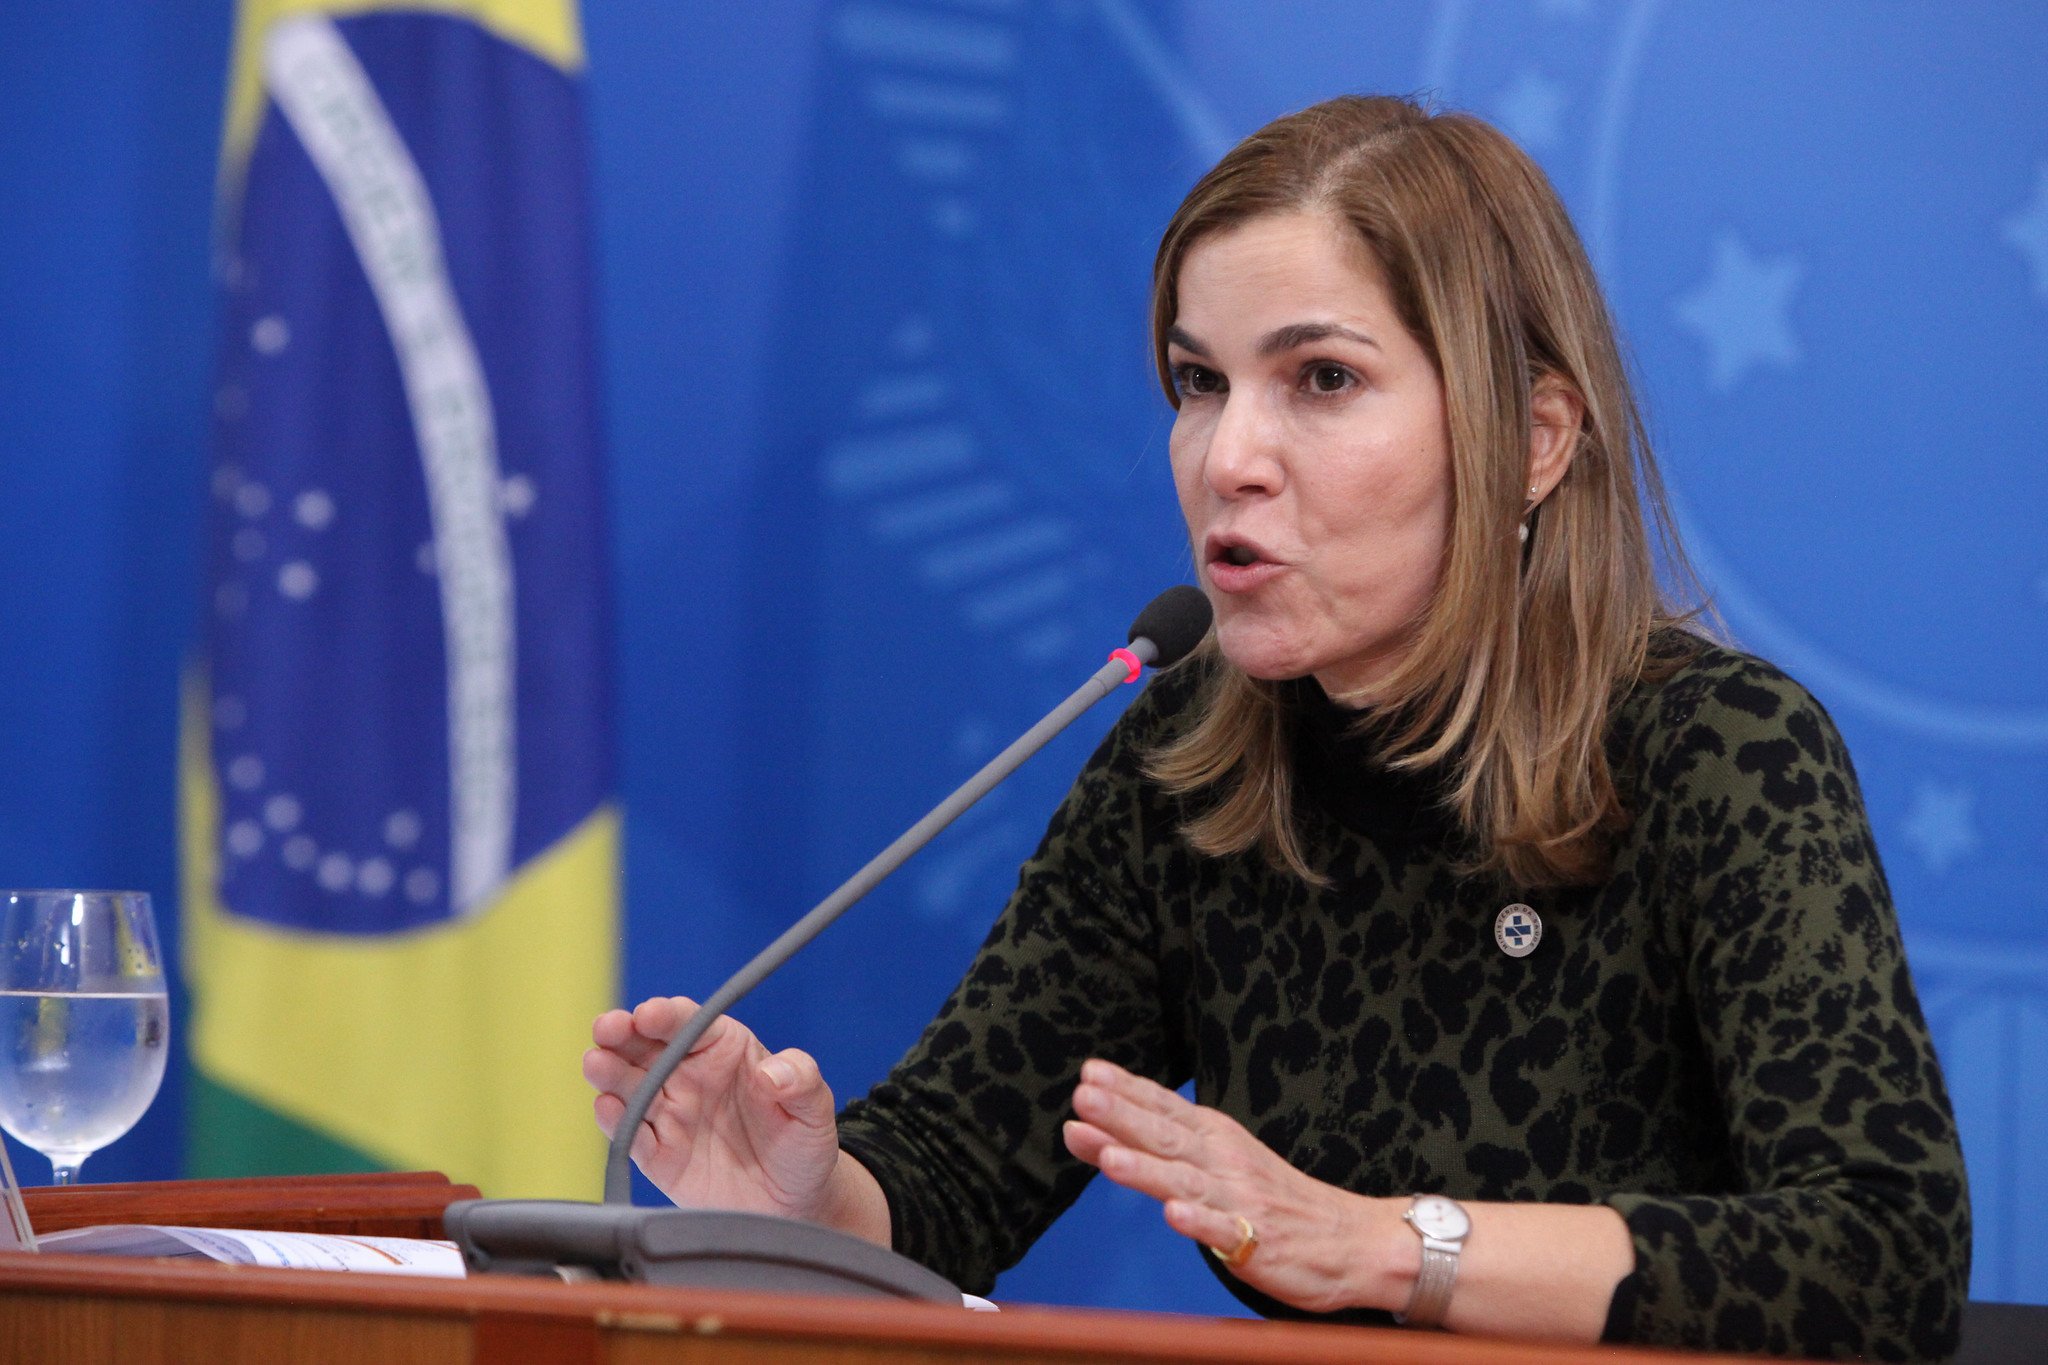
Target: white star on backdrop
point(270, 335)
point(1740, 311)
point(516, 495)
point(313, 509)
point(1941, 826)
point(1531, 109)
point(2026, 231)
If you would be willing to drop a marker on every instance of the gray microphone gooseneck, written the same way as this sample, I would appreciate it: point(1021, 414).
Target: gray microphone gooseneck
point(1164, 632)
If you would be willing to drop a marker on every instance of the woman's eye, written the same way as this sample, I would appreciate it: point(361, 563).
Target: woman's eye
point(1329, 378)
point(1197, 379)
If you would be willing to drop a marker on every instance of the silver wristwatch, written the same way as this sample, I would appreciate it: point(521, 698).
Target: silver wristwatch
point(1443, 1225)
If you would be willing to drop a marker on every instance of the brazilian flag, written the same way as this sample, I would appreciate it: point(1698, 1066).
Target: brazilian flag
point(400, 887)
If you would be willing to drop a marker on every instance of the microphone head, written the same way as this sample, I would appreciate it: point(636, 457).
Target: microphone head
point(1175, 622)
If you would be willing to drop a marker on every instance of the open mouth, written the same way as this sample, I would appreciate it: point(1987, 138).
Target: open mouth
point(1238, 565)
point(1229, 552)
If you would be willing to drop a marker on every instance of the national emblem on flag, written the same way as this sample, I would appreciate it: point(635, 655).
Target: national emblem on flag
point(401, 852)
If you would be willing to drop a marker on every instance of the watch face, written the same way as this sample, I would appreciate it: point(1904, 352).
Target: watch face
point(1438, 1217)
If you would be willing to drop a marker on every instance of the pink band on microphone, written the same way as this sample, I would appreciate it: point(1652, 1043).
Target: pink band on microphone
point(1130, 661)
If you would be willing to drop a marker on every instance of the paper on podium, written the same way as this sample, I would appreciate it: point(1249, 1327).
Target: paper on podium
point(245, 1246)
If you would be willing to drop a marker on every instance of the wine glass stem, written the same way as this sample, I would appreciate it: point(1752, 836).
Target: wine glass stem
point(64, 1170)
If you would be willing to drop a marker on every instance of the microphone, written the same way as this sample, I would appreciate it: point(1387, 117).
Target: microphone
point(526, 1235)
point(1173, 623)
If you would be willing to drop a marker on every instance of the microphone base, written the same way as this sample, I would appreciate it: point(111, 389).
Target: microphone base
point(697, 1248)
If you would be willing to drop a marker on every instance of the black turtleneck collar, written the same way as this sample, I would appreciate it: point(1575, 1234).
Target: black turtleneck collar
point(1341, 772)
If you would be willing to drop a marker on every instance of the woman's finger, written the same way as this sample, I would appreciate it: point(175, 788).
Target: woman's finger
point(661, 1017)
point(619, 1031)
point(611, 1028)
point(607, 1070)
point(1140, 1091)
point(609, 1109)
point(792, 1080)
point(1159, 1177)
point(1085, 1140)
point(1134, 1125)
point(1211, 1227)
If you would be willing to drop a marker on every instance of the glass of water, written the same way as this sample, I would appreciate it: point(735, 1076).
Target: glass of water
point(85, 1022)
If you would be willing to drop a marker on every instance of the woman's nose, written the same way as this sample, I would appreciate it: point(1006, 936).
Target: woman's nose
point(1243, 457)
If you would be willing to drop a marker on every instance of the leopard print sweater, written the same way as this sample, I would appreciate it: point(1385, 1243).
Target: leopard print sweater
point(1721, 1041)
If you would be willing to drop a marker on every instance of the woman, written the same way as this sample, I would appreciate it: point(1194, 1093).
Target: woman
point(1450, 866)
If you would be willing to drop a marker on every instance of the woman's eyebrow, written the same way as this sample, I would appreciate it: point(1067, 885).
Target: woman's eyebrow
point(1283, 339)
point(1176, 337)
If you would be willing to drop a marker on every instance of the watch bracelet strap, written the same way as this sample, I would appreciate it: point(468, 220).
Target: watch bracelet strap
point(1430, 1300)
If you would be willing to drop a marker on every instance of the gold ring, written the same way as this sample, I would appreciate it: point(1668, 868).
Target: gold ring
point(1247, 1243)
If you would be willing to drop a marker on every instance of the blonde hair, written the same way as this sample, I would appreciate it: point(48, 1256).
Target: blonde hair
point(1514, 669)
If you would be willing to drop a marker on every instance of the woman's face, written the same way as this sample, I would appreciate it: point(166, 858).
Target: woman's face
point(1310, 452)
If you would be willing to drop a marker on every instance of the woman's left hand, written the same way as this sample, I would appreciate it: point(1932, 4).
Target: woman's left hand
point(1315, 1241)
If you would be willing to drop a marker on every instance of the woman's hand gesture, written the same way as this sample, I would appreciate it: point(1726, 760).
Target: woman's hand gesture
point(734, 1127)
point(1306, 1239)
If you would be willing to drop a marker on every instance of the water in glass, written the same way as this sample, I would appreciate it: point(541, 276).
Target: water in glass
point(84, 1020)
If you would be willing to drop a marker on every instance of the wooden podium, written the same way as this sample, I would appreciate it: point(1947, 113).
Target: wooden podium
point(95, 1308)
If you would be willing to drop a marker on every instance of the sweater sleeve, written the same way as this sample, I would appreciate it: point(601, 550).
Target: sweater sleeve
point(964, 1133)
point(1850, 1234)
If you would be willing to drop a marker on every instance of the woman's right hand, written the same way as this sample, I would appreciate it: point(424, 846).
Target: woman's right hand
point(734, 1127)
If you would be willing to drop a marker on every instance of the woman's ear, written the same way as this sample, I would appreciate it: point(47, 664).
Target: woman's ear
point(1557, 416)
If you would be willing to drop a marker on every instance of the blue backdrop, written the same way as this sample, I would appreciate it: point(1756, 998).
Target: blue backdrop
point(887, 462)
